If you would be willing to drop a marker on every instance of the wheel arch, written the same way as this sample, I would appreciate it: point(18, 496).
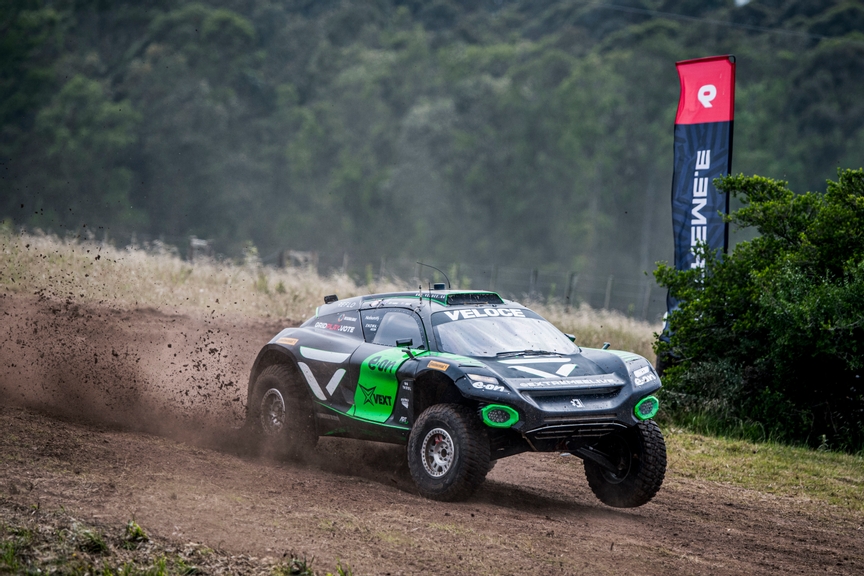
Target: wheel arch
point(434, 387)
point(270, 355)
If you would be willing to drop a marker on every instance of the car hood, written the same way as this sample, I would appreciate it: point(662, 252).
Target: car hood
point(574, 370)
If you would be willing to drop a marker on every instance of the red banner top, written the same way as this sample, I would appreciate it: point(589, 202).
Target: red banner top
point(707, 90)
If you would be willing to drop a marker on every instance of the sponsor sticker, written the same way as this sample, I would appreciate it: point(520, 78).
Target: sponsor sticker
point(435, 365)
point(329, 417)
point(405, 402)
point(287, 341)
point(486, 313)
point(346, 318)
point(641, 371)
point(334, 327)
point(571, 382)
point(577, 403)
point(490, 387)
point(403, 420)
point(644, 379)
point(370, 397)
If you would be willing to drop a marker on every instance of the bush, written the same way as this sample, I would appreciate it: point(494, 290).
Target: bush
point(771, 337)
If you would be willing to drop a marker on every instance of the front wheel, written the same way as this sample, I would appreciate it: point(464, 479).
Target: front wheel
point(448, 452)
point(638, 459)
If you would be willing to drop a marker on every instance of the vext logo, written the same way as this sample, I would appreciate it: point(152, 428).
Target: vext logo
point(370, 397)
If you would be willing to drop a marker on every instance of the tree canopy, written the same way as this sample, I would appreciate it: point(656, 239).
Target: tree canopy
point(522, 132)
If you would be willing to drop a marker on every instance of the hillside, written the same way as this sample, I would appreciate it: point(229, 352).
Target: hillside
point(531, 134)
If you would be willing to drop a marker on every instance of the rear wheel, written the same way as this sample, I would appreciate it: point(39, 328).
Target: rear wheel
point(638, 461)
point(282, 413)
point(448, 452)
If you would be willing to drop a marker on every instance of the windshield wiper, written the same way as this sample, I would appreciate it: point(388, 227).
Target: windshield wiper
point(527, 353)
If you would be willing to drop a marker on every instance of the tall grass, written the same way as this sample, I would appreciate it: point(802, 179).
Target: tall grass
point(155, 276)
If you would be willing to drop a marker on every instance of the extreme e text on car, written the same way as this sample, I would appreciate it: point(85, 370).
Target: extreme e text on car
point(463, 378)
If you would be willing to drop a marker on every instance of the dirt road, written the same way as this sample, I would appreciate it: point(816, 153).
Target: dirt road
point(115, 414)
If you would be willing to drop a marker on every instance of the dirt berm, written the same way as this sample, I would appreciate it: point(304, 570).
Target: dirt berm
point(118, 414)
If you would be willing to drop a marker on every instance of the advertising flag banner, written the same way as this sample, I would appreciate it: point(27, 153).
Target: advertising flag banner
point(703, 152)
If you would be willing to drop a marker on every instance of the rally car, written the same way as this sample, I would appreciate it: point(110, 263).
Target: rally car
point(462, 378)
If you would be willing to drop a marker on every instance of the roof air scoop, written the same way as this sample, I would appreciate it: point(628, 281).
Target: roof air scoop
point(330, 298)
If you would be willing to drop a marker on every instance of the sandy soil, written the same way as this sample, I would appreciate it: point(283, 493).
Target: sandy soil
point(118, 414)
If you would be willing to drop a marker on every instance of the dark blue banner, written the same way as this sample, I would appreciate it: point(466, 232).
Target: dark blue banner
point(703, 152)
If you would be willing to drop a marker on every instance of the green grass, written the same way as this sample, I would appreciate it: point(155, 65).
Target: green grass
point(37, 542)
point(823, 476)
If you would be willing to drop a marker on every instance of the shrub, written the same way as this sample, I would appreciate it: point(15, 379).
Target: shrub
point(772, 335)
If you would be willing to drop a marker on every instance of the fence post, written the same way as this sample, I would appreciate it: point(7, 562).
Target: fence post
point(571, 282)
point(608, 292)
point(646, 299)
point(382, 269)
point(494, 277)
point(532, 286)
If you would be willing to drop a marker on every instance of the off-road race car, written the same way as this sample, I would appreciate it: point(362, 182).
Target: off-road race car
point(462, 378)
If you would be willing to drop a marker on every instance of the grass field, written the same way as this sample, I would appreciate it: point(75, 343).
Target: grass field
point(820, 476)
point(154, 276)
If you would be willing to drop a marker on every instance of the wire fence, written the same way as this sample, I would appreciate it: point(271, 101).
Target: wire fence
point(636, 295)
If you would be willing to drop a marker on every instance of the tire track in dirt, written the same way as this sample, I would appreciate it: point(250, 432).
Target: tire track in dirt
point(116, 424)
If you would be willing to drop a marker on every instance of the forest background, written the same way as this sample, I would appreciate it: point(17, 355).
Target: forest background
point(530, 133)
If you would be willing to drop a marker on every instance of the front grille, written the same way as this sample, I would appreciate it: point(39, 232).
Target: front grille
point(561, 402)
point(587, 427)
point(565, 398)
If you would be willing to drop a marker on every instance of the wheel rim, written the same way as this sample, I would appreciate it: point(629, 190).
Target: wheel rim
point(272, 412)
point(438, 452)
point(618, 451)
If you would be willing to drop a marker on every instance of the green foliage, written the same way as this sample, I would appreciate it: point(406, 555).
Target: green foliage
point(86, 137)
point(91, 541)
point(527, 134)
point(772, 335)
point(134, 536)
point(297, 566)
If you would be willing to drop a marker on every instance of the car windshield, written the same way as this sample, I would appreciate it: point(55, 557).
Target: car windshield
point(491, 332)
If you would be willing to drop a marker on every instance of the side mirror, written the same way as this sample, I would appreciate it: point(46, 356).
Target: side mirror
point(571, 337)
point(404, 343)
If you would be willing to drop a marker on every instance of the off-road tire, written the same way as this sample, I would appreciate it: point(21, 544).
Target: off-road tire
point(297, 435)
point(645, 468)
point(466, 452)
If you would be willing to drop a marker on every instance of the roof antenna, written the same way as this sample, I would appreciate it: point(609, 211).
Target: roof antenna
point(439, 270)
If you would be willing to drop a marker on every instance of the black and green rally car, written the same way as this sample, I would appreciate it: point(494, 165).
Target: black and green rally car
point(462, 378)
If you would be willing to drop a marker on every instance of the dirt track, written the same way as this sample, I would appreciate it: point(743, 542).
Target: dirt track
point(116, 414)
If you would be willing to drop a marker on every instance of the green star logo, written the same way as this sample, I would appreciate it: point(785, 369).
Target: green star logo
point(368, 395)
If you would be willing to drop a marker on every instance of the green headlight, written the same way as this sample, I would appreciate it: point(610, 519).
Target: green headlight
point(499, 416)
point(646, 408)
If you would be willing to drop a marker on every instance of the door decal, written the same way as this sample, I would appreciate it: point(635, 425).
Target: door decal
point(377, 385)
